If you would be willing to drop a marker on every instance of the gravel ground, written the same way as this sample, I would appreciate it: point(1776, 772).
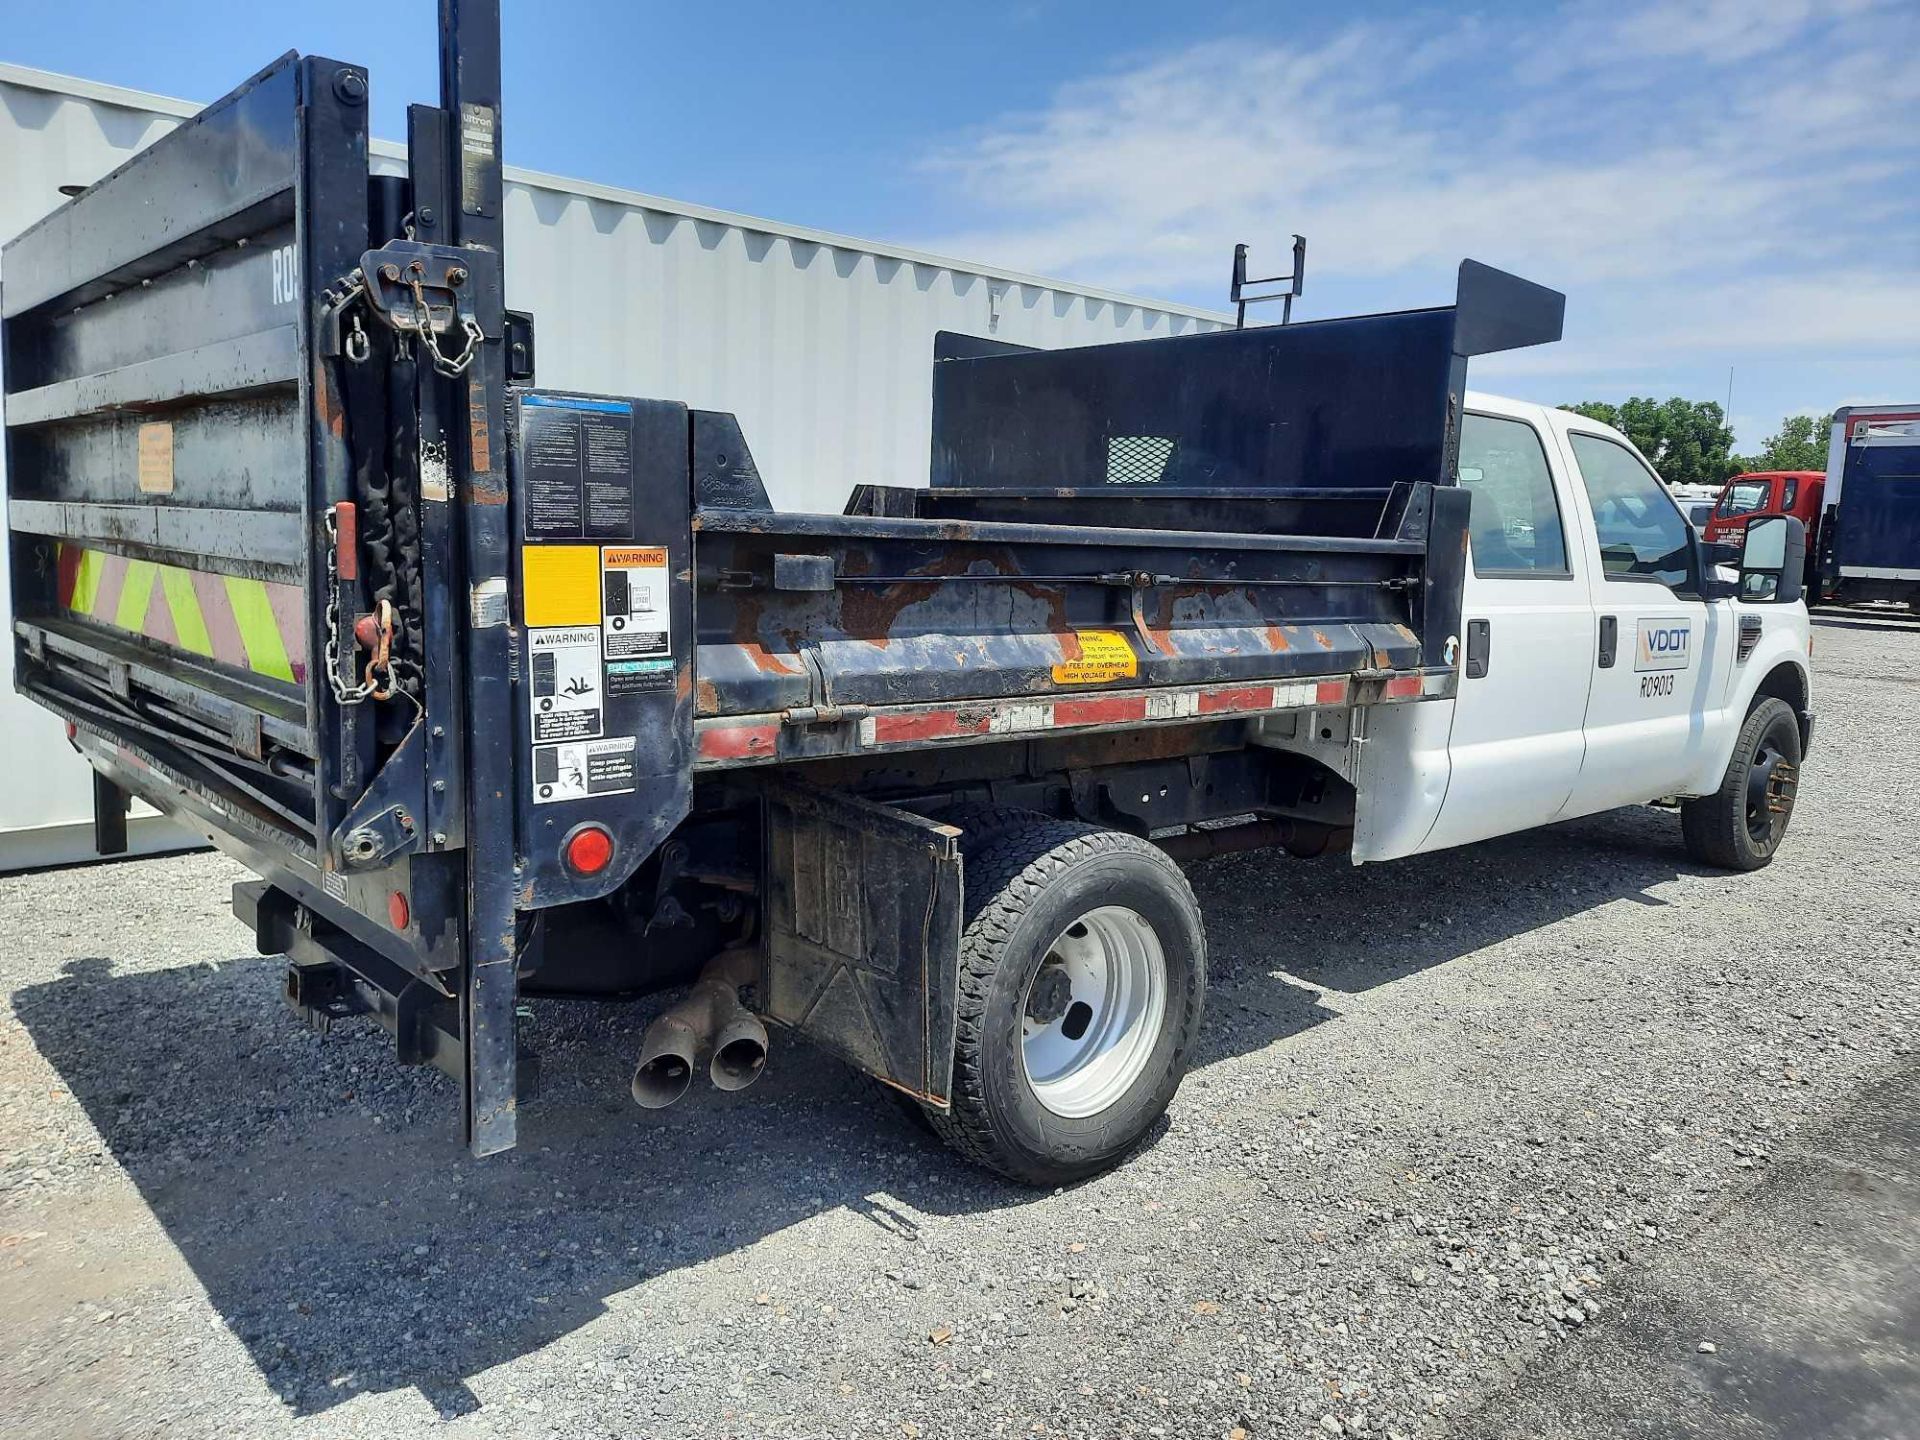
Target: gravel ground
point(1453, 1120)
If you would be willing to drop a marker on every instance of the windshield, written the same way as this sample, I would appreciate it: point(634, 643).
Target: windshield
point(1746, 497)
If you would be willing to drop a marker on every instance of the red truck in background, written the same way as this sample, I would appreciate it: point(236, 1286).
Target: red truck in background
point(1799, 493)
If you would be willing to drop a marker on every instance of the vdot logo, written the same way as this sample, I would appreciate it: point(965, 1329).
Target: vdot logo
point(1664, 645)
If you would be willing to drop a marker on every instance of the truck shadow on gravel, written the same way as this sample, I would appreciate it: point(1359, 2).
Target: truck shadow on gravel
point(321, 1195)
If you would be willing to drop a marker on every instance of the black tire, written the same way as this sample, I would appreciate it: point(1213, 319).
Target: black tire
point(1740, 826)
point(1026, 883)
point(981, 818)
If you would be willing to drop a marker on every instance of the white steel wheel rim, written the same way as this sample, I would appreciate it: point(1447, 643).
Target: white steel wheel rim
point(1083, 1052)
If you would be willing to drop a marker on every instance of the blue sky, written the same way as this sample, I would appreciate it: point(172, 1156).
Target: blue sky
point(1715, 184)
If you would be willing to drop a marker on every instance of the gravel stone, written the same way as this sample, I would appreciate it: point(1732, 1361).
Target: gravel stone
point(1442, 1115)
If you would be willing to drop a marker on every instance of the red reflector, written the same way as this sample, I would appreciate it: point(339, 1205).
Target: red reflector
point(346, 545)
point(398, 911)
point(73, 730)
point(589, 849)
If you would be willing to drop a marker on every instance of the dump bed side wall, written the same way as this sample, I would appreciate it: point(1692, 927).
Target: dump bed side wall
point(1333, 405)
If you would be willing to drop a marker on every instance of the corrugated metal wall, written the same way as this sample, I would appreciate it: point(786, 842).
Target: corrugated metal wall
point(820, 343)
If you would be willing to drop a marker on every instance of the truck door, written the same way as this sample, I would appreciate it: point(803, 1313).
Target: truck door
point(1659, 657)
point(1527, 632)
point(1744, 497)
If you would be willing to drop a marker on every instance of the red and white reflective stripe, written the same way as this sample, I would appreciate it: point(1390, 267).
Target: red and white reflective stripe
point(1019, 717)
point(746, 739)
point(756, 738)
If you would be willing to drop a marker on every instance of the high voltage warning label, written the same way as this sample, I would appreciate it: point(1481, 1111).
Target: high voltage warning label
point(633, 594)
point(566, 691)
point(1105, 656)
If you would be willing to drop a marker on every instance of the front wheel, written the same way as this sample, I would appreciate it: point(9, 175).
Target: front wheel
point(1082, 976)
point(1741, 825)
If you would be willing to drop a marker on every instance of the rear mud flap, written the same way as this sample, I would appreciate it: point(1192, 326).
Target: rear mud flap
point(862, 948)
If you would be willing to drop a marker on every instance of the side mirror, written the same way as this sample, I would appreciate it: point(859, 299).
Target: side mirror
point(1773, 558)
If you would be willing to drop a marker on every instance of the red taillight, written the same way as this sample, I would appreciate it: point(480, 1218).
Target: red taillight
point(73, 732)
point(398, 911)
point(589, 850)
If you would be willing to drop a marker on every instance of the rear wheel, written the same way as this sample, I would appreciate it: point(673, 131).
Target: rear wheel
point(1740, 826)
point(1082, 976)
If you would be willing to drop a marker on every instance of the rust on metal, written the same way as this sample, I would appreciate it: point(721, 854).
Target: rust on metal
point(868, 612)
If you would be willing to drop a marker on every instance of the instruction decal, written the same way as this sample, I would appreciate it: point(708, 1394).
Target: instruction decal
point(583, 768)
point(634, 597)
point(565, 690)
point(577, 457)
point(636, 677)
point(1105, 656)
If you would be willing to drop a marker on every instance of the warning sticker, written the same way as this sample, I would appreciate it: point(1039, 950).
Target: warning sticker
point(581, 768)
point(564, 689)
point(633, 593)
point(156, 459)
point(633, 677)
point(562, 584)
point(1105, 656)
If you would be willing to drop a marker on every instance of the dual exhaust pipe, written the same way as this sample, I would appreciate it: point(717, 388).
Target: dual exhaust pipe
point(709, 1025)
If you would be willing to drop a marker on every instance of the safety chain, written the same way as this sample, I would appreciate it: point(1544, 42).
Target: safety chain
point(423, 322)
point(376, 682)
point(353, 286)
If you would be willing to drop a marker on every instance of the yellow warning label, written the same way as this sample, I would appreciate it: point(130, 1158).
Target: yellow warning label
point(156, 459)
point(562, 584)
point(1105, 656)
point(636, 557)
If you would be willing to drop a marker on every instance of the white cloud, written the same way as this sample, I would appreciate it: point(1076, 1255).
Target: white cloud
point(1699, 177)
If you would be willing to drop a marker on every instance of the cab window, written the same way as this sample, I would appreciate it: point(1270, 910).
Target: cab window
point(1791, 492)
point(1745, 498)
point(1515, 524)
point(1642, 534)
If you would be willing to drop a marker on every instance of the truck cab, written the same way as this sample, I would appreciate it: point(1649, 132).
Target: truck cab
point(1799, 493)
point(1606, 660)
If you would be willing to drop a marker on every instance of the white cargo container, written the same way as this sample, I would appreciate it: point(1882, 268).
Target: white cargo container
point(819, 342)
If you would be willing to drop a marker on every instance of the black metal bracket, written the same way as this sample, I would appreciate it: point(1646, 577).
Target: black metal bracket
point(385, 822)
point(416, 287)
point(109, 816)
point(1294, 280)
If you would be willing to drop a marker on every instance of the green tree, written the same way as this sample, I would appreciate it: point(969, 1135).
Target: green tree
point(1687, 440)
point(1799, 444)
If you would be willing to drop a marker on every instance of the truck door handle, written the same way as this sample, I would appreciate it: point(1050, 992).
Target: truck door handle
point(1479, 644)
point(1609, 640)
